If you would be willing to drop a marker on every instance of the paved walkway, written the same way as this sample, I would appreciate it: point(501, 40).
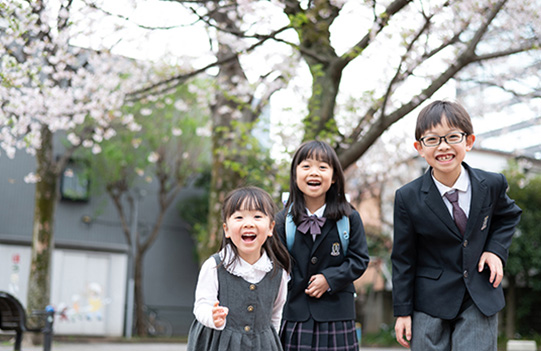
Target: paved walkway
point(66, 346)
point(99, 346)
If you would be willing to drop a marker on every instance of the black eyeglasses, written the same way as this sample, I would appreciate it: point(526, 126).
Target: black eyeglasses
point(450, 138)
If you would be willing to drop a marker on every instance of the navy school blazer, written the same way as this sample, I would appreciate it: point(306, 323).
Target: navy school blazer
point(325, 256)
point(433, 265)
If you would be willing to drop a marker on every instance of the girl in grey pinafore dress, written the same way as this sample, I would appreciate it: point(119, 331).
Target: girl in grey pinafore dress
point(248, 324)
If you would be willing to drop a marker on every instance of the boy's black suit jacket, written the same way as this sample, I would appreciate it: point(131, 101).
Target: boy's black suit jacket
point(325, 256)
point(433, 265)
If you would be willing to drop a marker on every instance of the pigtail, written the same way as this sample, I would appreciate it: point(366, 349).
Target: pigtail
point(253, 198)
point(278, 254)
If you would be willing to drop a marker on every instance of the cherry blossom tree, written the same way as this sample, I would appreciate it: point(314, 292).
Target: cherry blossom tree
point(238, 102)
point(51, 89)
point(170, 151)
point(416, 47)
point(235, 112)
point(369, 63)
point(372, 63)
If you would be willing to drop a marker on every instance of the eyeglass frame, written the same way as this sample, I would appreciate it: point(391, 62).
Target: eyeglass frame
point(463, 134)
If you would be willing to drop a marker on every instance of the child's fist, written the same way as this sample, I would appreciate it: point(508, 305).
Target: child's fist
point(219, 313)
point(317, 286)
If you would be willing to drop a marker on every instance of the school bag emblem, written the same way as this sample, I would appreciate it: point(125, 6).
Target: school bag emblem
point(335, 250)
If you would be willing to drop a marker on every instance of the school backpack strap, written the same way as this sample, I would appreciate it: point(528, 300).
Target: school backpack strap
point(291, 228)
point(342, 226)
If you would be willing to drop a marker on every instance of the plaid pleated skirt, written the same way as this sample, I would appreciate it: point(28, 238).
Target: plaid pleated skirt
point(319, 336)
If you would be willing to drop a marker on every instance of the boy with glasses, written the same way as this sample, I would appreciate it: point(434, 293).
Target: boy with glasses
point(452, 231)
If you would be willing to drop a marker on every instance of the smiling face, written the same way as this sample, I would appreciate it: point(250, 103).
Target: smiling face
point(248, 230)
point(314, 178)
point(445, 159)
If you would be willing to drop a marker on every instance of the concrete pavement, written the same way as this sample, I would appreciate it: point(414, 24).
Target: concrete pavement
point(66, 346)
point(129, 346)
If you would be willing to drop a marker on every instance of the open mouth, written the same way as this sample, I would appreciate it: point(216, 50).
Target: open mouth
point(314, 183)
point(444, 158)
point(248, 237)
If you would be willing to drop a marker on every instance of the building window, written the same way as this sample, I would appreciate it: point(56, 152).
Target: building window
point(75, 182)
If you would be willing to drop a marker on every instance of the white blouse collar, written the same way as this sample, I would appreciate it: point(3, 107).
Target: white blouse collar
point(319, 212)
point(243, 269)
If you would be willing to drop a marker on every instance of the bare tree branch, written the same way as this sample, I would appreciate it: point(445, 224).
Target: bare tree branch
point(92, 5)
point(468, 56)
point(535, 94)
point(171, 83)
point(379, 23)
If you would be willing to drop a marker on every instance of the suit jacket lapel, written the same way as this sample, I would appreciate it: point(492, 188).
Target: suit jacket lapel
point(478, 194)
point(435, 202)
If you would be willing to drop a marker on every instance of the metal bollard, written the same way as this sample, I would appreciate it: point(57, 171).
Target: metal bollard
point(48, 329)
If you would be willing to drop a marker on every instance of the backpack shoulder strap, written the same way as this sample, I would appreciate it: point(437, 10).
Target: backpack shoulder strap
point(343, 231)
point(291, 228)
point(342, 226)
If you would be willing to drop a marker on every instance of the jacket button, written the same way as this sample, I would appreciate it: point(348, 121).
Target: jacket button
point(465, 243)
point(314, 260)
point(465, 274)
point(252, 286)
point(250, 308)
point(247, 328)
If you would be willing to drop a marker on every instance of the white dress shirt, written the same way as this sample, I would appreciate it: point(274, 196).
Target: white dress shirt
point(206, 292)
point(463, 186)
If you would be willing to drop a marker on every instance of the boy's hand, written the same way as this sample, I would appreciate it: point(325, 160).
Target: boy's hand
point(317, 286)
point(495, 265)
point(402, 328)
point(218, 314)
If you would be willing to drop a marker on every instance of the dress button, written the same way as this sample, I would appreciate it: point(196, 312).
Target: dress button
point(247, 328)
point(465, 243)
point(465, 274)
point(252, 286)
point(314, 260)
point(250, 308)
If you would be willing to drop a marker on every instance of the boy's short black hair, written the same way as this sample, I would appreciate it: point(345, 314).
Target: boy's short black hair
point(433, 114)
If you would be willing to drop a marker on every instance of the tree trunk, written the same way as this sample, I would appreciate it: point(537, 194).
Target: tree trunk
point(325, 85)
point(39, 283)
point(223, 180)
point(313, 28)
point(140, 320)
point(229, 108)
point(511, 308)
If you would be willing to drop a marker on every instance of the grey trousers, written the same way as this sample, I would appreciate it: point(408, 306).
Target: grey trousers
point(470, 330)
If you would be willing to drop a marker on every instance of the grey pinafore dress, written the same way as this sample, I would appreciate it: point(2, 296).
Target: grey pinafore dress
point(248, 324)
